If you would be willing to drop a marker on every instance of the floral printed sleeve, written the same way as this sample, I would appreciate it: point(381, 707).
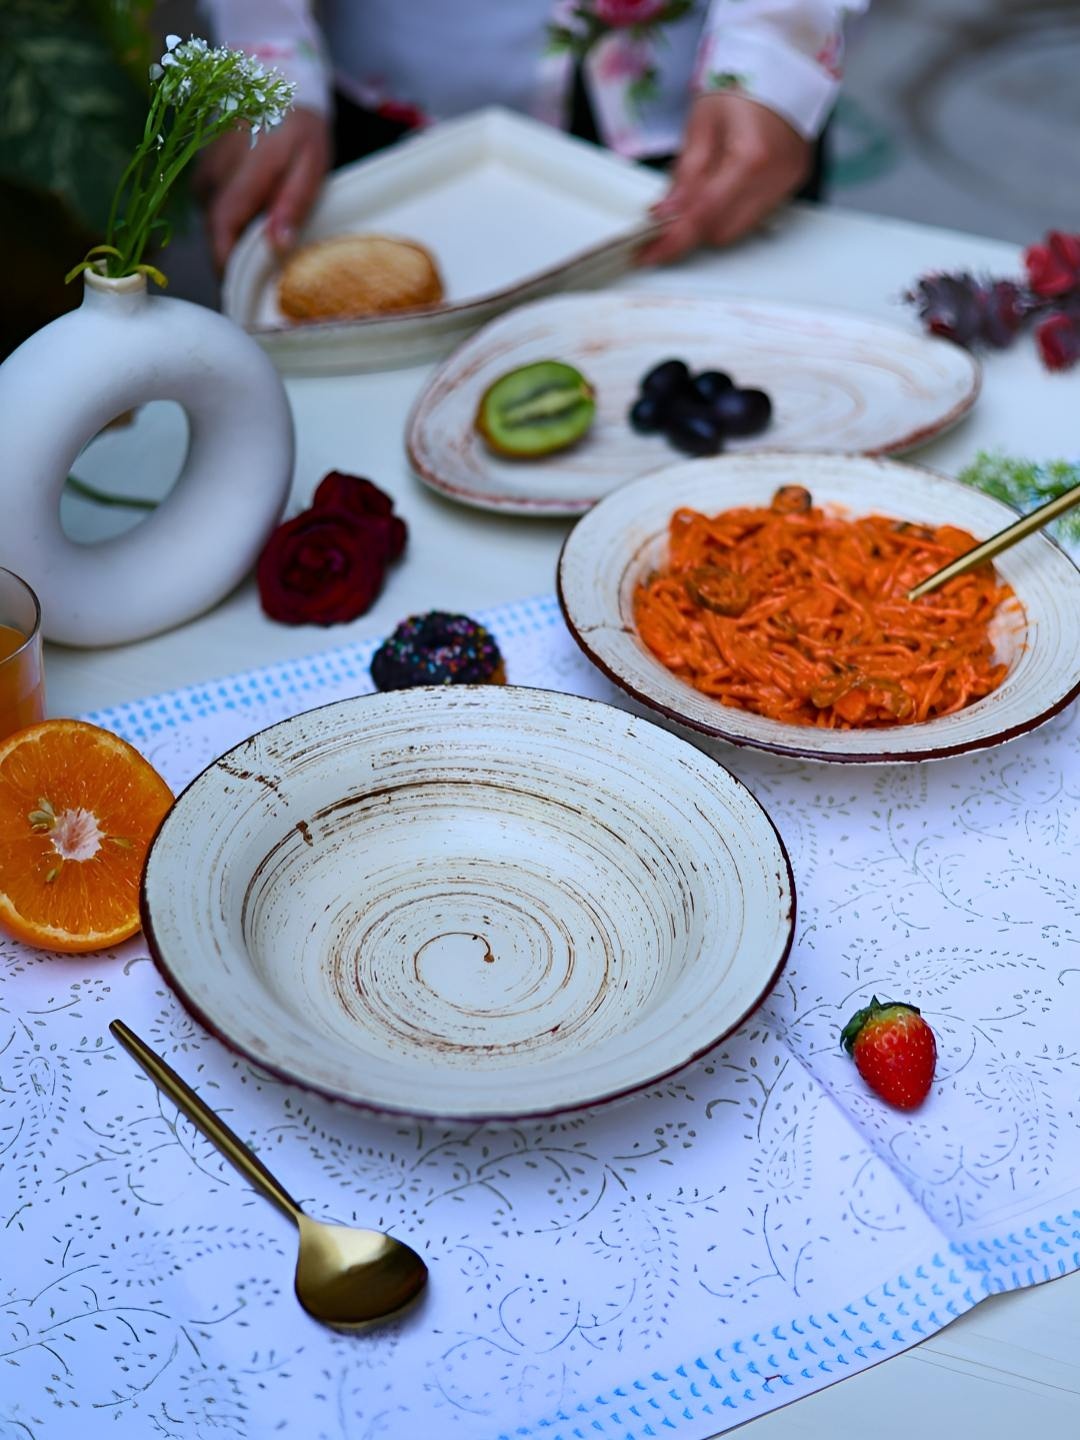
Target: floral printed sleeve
point(283, 35)
point(786, 53)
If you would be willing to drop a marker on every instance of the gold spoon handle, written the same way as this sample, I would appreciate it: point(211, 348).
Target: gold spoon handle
point(1003, 540)
point(200, 1115)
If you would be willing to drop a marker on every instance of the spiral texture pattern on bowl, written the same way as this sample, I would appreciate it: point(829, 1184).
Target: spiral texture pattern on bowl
point(469, 901)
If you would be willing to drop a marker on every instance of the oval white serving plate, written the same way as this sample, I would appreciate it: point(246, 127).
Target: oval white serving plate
point(468, 901)
point(625, 537)
point(838, 381)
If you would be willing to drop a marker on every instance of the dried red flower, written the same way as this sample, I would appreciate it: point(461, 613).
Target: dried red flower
point(1004, 311)
point(1054, 267)
point(992, 312)
point(969, 311)
point(1058, 339)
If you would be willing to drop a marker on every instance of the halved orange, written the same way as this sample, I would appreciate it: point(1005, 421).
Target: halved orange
point(78, 809)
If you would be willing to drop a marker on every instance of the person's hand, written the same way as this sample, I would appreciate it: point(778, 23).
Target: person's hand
point(739, 161)
point(282, 173)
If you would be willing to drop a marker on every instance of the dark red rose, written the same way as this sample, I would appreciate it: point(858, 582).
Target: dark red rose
point(390, 531)
point(1054, 267)
point(1058, 339)
point(351, 493)
point(321, 568)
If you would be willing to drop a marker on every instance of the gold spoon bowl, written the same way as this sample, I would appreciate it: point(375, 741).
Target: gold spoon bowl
point(346, 1277)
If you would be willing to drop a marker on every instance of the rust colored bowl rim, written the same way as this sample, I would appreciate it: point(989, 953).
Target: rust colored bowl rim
point(599, 555)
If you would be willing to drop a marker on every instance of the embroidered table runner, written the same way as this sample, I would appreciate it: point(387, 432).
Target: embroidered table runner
point(733, 1238)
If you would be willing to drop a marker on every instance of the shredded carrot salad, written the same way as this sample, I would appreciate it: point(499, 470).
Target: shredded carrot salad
point(800, 614)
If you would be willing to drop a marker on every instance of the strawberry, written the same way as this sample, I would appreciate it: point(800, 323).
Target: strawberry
point(894, 1050)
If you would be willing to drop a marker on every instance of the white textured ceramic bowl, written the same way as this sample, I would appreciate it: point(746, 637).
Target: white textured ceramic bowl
point(625, 537)
point(469, 901)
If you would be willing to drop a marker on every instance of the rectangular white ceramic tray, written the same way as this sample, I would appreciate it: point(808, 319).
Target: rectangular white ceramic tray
point(511, 210)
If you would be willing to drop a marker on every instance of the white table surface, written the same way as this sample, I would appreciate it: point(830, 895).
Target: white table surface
point(1010, 1366)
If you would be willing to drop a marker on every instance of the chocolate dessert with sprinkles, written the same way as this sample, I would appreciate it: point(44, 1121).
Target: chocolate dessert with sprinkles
point(438, 649)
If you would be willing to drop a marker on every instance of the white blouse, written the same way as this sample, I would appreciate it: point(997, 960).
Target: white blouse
point(642, 60)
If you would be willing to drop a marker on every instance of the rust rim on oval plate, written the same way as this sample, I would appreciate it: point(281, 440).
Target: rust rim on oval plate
point(840, 381)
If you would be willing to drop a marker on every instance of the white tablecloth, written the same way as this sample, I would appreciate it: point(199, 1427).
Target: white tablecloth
point(736, 1236)
point(1011, 1363)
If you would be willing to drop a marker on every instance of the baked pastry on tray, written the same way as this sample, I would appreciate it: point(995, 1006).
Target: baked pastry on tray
point(349, 276)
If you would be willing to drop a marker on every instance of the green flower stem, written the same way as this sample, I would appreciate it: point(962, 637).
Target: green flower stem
point(135, 161)
point(132, 250)
point(154, 122)
point(134, 246)
point(101, 497)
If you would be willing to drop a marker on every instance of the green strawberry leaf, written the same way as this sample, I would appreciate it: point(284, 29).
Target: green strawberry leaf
point(861, 1018)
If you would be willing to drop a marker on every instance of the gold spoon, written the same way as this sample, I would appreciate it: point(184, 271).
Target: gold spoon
point(1003, 540)
point(345, 1277)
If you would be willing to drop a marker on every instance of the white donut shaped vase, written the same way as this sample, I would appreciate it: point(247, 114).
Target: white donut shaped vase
point(118, 350)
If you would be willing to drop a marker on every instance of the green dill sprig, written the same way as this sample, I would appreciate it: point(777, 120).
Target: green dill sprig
point(1026, 484)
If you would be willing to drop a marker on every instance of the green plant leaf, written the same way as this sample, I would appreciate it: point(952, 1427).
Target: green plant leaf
point(69, 114)
point(152, 273)
point(126, 25)
point(89, 261)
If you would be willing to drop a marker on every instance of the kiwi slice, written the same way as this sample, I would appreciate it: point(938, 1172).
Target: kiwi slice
point(536, 410)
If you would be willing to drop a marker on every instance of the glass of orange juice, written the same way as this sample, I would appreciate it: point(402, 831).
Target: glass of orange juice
point(22, 680)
